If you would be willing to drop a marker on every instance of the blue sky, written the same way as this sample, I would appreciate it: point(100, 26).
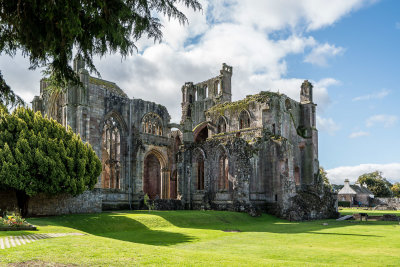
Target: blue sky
point(348, 49)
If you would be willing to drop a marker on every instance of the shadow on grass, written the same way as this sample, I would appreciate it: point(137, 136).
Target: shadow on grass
point(116, 226)
point(124, 226)
point(217, 220)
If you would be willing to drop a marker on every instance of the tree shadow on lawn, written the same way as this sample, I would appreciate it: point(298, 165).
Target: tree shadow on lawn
point(116, 226)
point(121, 227)
point(266, 223)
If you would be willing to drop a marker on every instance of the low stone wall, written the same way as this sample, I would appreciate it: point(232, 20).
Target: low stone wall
point(8, 201)
point(164, 204)
point(43, 205)
point(391, 203)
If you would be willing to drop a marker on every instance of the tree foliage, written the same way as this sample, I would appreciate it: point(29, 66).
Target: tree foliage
point(324, 176)
point(47, 31)
point(38, 155)
point(376, 184)
point(396, 189)
point(7, 96)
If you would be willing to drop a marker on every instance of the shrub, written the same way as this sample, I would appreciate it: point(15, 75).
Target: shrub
point(344, 203)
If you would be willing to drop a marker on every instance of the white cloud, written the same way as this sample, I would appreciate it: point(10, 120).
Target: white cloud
point(386, 120)
point(327, 125)
point(337, 175)
point(377, 95)
point(358, 134)
point(319, 54)
point(236, 32)
point(272, 15)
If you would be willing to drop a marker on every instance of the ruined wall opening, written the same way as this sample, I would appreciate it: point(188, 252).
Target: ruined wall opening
point(223, 181)
point(173, 185)
point(244, 120)
point(297, 175)
point(111, 149)
point(217, 86)
point(151, 124)
point(206, 91)
point(221, 125)
point(152, 176)
point(202, 135)
point(200, 172)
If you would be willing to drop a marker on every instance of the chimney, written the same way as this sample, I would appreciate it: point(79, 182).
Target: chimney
point(346, 183)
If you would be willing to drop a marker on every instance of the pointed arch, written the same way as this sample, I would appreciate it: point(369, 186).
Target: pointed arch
point(116, 116)
point(223, 168)
point(154, 164)
point(111, 154)
point(221, 124)
point(152, 124)
point(200, 132)
point(198, 164)
point(244, 119)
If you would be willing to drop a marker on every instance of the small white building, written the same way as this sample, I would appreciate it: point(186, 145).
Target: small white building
point(357, 195)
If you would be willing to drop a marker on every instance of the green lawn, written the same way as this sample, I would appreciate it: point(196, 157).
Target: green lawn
point(197, 238)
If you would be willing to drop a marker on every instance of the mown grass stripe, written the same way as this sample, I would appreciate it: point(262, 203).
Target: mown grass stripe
point(6, 242)
point(12, 242)
point(21, 239)
point(1, 244)
point(16, 241)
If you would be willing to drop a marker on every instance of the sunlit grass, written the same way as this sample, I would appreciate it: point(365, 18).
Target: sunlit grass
point(198, 238)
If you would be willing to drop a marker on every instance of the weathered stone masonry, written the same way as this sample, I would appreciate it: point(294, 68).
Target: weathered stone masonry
point(257, 153)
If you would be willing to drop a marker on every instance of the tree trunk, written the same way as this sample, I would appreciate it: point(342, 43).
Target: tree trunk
point(23, 200)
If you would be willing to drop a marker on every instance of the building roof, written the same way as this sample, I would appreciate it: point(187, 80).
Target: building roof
point(354, 189)
point(361, 190)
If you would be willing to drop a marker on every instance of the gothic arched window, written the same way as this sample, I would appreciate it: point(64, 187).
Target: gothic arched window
point(111, 150)
point(244, 120)
point(151, 124)
point(223, 182)
point(200, 173)
point(221, 128)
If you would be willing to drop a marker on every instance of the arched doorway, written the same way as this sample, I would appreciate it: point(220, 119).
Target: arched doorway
point(152, 176)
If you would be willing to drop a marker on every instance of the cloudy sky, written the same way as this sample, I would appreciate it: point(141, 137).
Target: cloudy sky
point(349, 49)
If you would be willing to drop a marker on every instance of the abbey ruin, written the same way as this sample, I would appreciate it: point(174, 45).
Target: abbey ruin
point(257, 153)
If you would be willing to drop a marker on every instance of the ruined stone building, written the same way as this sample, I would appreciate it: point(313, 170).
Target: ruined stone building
point(257, 153)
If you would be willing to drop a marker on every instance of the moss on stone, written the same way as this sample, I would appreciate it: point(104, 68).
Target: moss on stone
point(237, 106)
point(108, 85)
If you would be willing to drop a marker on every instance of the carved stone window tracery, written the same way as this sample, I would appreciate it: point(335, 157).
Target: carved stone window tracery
point(152, 124)
point(111, 150)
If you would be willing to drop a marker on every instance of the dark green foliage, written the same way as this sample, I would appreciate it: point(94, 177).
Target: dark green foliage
point(337, 187)
point(344, 203)
point(38, 155)
point(376, 184)
point(47, 31)
point(7, 96)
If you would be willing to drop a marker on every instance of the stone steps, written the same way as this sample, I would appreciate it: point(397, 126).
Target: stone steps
point(14, 241)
